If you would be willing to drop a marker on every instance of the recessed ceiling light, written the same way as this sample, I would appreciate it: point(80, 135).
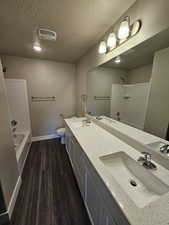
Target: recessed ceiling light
point(117, 60)
point(37, 48)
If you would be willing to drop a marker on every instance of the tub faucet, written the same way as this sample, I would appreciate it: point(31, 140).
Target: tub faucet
point(14, 123)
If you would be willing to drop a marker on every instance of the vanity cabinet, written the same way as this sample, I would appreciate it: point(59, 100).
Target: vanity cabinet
point(79, 167)
point(92, 200)
point(101, 207)
point(96, 199)
point(77, 161)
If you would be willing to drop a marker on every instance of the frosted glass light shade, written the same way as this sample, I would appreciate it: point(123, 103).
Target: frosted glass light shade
point(112, 40)
point(135, 27)
point(117, 60)
point(102, 47)
point(124, 29)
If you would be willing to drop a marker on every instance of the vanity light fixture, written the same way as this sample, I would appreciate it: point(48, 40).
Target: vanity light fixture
point(125, 32)
point(112, 41)
point(37, 48)
point(102, 47)
point(135, 27)
point(124, 29)
point(117, 60)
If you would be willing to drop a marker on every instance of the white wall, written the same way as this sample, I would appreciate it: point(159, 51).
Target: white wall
point(157, 117)
point(100, 82)
point(117, 101)
point(18, 103)
point(8, 165)
point(140, 75)
point(45, 78)
point(154, 16)
point(133, 108)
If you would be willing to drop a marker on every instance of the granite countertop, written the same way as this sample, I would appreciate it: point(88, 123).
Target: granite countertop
point(135, 133)
point(96, 142)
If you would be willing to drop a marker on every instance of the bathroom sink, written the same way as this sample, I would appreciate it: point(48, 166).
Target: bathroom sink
point(156, 146)
point(77, 124)
point(138, 183)
point(81, 123)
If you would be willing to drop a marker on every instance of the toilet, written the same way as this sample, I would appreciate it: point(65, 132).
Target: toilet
point(61, 133)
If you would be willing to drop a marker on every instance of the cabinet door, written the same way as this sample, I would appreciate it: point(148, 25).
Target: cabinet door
point(79, 167)
point(67, 140)
point(103, 216)
point(111, 221)
point(71, 151)
point(67, 143)
point(93, 200)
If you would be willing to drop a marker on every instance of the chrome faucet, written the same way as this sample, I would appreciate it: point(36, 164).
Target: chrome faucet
point(164, 149)
point(146, 161)
point(86, 122)
point(99, 118)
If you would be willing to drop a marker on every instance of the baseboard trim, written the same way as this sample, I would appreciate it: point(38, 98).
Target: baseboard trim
point(14, 197)
point(45, 137)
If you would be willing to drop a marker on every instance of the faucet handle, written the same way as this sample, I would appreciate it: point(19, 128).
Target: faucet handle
point(147, 161)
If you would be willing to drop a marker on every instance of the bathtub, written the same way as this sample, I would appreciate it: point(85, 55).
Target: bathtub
point(22, 143)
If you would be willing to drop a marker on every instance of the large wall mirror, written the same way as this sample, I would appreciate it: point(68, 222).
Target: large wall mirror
point(133, 88)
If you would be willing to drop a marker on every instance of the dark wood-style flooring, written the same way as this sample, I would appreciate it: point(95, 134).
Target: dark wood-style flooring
point(49, 194)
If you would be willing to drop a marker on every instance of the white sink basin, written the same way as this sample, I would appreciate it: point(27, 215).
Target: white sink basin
point(137, 182)
point(80, 123)
point(77, 124)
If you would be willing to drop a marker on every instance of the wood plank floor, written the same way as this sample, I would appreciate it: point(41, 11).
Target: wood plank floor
point(49, 194)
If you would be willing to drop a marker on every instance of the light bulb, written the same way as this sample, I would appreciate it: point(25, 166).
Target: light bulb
point(117, 60)
point(124, 29)
point(102, 47)
point(37, 48)
point(111, 41)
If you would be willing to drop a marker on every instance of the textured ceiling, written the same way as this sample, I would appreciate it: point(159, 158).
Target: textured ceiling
point(142, 54)
point(78, 23)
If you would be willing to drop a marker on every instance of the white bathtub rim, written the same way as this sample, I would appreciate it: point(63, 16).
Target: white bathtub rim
point(23, 143)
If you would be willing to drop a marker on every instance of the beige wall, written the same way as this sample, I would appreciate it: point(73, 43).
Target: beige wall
point(157, 117)
point(154, 16)
point(140, 74)
point(8, 165)
point(100, 82)
point(45, 78)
